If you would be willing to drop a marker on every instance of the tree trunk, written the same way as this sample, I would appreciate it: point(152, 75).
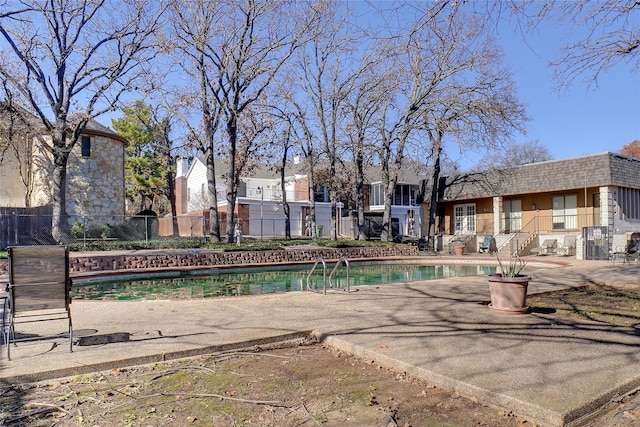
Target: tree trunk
point(359, 232)
point(312, 199)
point(172, 200)
point(420, 200)
point(334, 220)
point(214, 225)
point(232, 131)
point(285, 205)
point(387, 226)
point(59, 197)
point(435, 188)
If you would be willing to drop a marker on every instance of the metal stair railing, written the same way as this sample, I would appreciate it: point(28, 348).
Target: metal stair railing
point(522, 237)
point(346, 263)
point(324, 275)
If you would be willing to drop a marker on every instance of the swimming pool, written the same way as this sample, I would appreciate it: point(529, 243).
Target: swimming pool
point(264, 280)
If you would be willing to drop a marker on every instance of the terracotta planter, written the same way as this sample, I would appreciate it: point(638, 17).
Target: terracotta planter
point(459, 250)
point(508, 294)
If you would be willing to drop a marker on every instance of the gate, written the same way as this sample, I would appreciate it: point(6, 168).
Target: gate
point(596, 242)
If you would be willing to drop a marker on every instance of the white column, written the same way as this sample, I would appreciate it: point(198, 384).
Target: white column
point(608, 210)
point(497, 214)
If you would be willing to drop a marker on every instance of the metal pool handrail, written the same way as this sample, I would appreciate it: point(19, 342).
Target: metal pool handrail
point(324, 275)
point(346, 262)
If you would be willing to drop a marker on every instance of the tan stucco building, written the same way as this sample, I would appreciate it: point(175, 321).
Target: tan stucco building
point(524, 205)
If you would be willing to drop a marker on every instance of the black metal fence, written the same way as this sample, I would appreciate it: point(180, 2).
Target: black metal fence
point(33, 226)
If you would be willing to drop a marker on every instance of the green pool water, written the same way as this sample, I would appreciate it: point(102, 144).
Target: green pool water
point(265, 280)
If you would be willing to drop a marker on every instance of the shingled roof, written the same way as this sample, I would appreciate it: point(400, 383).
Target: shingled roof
point(598, 170)
point(33, 122)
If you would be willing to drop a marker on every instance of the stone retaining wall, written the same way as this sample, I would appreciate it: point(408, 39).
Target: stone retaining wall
point(204, 258)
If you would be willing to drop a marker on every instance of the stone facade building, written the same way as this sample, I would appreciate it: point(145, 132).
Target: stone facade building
point(95, 175)
point(95, 178)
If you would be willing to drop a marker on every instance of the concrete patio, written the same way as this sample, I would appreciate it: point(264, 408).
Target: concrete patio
point(541, 367)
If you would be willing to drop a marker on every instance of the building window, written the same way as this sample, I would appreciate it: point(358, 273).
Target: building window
point(86, 146)
point(565, 212)
point(242, 189)
point(321, 193)
point(465, 218)
point(377, 195)
point(629, 203)
point(404, 195)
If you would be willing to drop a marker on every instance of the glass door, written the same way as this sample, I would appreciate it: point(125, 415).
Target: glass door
point(512, 215)
point(465, 219)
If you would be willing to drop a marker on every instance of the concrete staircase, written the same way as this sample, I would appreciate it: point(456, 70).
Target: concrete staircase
point(512, 244)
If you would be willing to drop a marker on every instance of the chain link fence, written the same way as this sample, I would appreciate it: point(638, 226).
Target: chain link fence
point(23, 226)
point(20, 226)
point(33, 226)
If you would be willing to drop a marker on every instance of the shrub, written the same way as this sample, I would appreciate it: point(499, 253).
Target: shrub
point(77, 230)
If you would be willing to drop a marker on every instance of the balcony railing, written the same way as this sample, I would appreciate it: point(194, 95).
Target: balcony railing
point(556, 224)
point(516, 236)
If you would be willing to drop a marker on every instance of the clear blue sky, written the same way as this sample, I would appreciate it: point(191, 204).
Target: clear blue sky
point(582, 120)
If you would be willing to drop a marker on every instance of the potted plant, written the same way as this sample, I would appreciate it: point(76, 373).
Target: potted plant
point(508, 288)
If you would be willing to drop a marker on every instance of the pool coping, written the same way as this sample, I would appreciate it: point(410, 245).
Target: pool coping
point(89, 276)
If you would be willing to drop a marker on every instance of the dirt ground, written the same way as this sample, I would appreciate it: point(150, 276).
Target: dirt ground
point(306, 384)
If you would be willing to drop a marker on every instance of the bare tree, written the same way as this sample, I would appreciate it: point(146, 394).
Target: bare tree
point(449, 88)
point(254, 138)
point(287, 144)
point(17, 138)
point(242, 52)
point(324, 73)
point(284, 143)
point(471, 99)
point(394, 130)
point(303, 136)
point(367, 95)
point(189, 44)
point(75, 60)
point(601, 34)
point(407, 91)
point(514, 153)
